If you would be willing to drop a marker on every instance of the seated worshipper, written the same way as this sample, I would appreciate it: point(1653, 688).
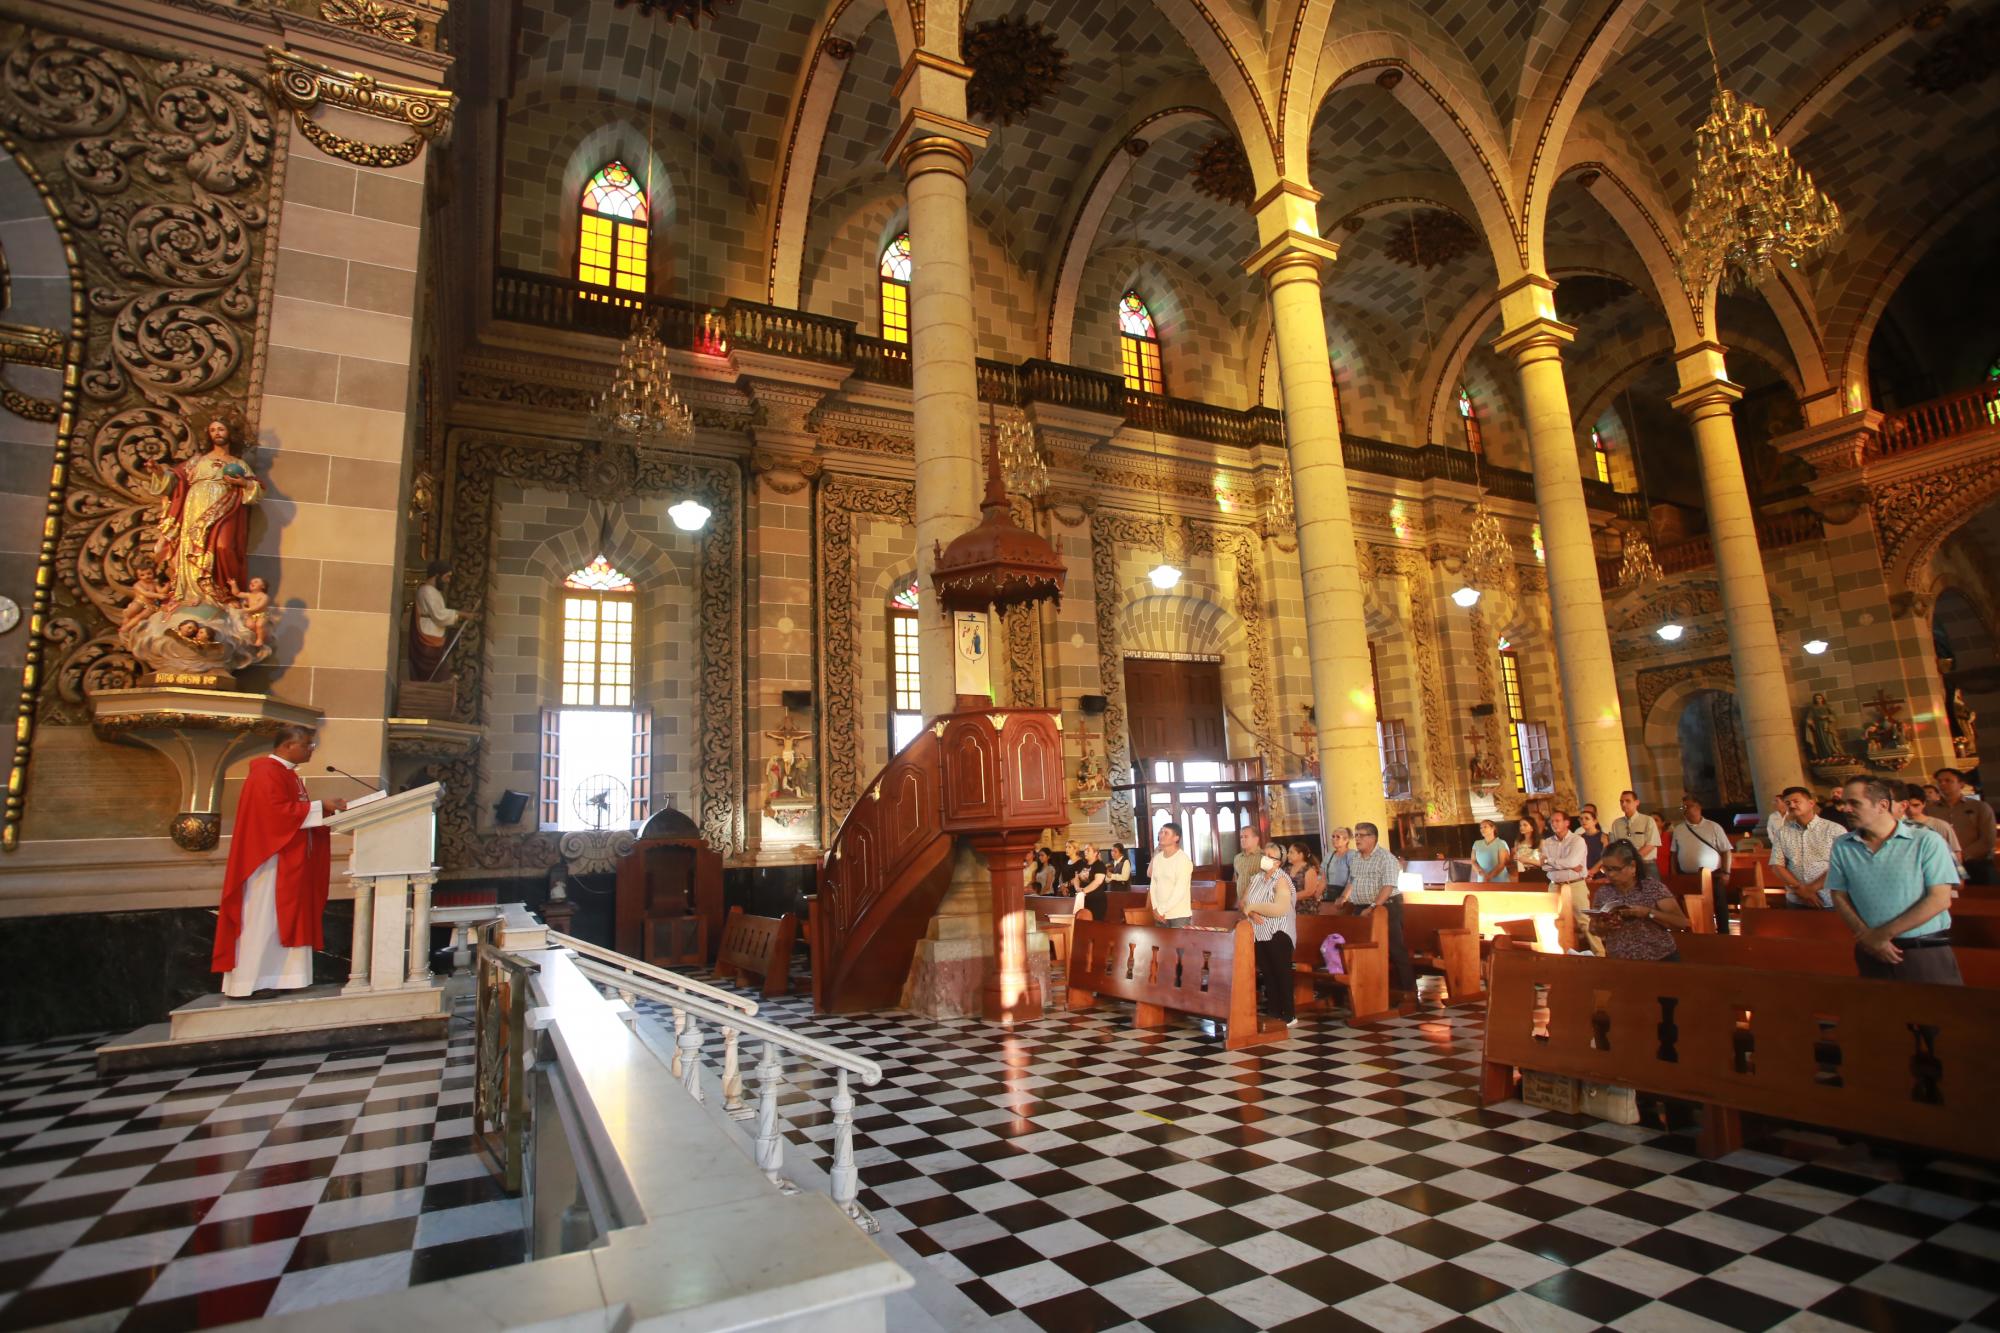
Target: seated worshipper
point(1527, 853)
point(1490, 857)
point(1593, 837)
point(1699, 843)
point(274, 886)
point(1891, 882)
point(1119, 868)
point(1800, 847)
point(1632, 912)
point(1915, 810)
point(1302, 866)
point(1170, 891)
point(1375, 875)
point(1268, 903)
point(1567, 862)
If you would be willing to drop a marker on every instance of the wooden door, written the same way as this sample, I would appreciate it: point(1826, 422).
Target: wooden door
point(1174, 709)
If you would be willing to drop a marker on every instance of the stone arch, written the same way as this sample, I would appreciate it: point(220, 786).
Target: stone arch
point(1200, 350)
point(1188, 621)
point(605, 532)
point(1661, 732)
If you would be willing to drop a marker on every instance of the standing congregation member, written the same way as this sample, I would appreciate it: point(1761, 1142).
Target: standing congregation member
point(1490, 857)
point(1972, 819)
point(1302, 865)
point(1567, 862)
point(1800, 848)
point(1632, 912)
point(1268, 901)
point(1339, 860)
point(274, 887)
point(1914, 810)
point(1699, 842)
point(1245, 865)
point(1374, 875)
point(1119, 868)
point(1891, 882)
point(1527, 854)
point(1088, 885)
point(1171, 893)
point(1636, 827)
point(1592, 834)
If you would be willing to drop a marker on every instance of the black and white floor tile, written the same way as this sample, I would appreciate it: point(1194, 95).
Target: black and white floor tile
point(188, 1198)
point(1079, 1175)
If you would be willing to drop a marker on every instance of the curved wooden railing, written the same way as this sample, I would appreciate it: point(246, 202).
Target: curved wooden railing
point(880, 882)
point(1963, 413)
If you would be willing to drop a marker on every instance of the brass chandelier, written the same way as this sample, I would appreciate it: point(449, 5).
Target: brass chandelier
point(1022, 463)
point(641, 404)
point(1754, 208)
point(1489, 556)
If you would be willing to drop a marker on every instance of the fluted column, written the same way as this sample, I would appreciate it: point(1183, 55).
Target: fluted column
point(1290, 261)
point(1762, 692)
point(1534, 338)
point(934, 148)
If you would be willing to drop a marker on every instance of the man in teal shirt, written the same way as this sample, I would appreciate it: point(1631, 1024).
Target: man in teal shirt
point(1891, 882)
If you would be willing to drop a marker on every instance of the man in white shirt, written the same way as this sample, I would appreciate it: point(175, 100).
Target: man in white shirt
point(1170, 891)
point(1800, 850)
point(1641, 830)
point(1566, 860)
point(1699, 842)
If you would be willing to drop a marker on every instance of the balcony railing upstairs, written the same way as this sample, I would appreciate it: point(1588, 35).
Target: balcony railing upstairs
point(1774, 532)
point(1966, 412)
point(533, 298)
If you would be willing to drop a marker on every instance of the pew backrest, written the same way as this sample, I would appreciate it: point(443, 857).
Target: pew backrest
point(1422, 921)
point(1905, 1062)
point(757, 944)
point(1186, 970)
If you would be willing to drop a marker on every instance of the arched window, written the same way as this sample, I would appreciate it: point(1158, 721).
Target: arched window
point(1138, 346)
point(896, 290)
point(906, 703)
point(612, 252)
point(1471, 418)
point(597, 749)
point(1602, 453)
point(1510, 688)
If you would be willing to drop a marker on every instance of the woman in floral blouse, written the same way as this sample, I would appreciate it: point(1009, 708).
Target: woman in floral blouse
point(1634, 913)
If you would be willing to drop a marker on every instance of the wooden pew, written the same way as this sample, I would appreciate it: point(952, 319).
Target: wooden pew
point(1501, 904)
point(1790, 953)
point(1117, 900)
point(1212, 895)
point(1970, 929)
point(1364, 951)
point(1899, 1061)
point(1201, 973)
point(1444, 937)
point(757, 944)
point(1056, 912)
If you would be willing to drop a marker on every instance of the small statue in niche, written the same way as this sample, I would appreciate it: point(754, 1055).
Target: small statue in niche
point(1964, 726)
point(1888, 746)
point(1485, 768)
point(1821, 733)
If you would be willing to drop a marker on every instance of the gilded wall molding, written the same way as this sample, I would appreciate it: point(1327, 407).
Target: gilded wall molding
point(1024, 631)
point(303, 85)
point(839, 501)
point(158, 173)
point(480, 461)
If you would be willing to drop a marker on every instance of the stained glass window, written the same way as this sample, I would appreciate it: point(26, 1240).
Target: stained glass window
point(906, 705)
point(612, 252)
point(1602, 453)
point(598, 576)
point(896, 290)
point(1138, 346)
point(1510, 686)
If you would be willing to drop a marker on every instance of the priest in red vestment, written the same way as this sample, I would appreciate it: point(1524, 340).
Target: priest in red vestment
point(274, 889)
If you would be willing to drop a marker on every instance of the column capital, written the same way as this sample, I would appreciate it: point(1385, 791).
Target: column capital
point(1708, 398)
point(1291, 255)
point(927, 141)
point(1541, 335)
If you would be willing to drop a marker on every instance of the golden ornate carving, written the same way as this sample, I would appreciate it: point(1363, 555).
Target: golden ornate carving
point(371, 16)
point(28, 345)
point(28, 407)
point(303, 85)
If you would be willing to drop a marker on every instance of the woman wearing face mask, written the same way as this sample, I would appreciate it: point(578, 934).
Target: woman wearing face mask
point(1269, 906)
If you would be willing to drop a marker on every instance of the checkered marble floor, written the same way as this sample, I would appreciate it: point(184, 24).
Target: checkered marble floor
point(1076, 1174)
point(187, 1198)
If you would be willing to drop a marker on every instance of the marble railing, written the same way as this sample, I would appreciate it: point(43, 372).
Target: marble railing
point(533, 298)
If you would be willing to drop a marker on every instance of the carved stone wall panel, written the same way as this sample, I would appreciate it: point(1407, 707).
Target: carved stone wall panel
point(1494, 725)
point(1913, 518)
point(1653, 682)
point(480, 460)
point(839, 499)
point(1107, 531)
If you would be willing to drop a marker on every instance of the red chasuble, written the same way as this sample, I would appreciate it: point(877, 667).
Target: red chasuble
point(268, 817)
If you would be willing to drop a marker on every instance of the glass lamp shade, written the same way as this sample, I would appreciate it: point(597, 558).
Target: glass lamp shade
point(1467, 597)
point(689, 515)
point(1815, 646)
point(1670, 631)
point(1164, 576)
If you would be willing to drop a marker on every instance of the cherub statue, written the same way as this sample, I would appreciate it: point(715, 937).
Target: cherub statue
point(148, 595)
point(253, 601)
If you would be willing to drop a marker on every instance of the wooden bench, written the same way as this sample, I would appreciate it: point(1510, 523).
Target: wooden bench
point(1056, 912)
point(757, 944)
point(1444, 937)
point(1834, 958)
point(1900, 1061)
point(1116, 901)
point(1502, 905)
point(1972, 929)
point(1364, 952)
point(1162, 971)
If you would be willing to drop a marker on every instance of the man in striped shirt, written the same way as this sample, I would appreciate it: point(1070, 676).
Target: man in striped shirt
point(1800, 848)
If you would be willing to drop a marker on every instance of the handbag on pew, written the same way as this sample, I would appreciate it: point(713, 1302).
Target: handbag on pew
point(1329, 952)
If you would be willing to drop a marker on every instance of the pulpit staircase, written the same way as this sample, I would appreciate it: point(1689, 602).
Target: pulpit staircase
point(992, 776)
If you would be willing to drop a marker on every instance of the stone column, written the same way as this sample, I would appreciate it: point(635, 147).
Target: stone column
point(1535, 338)
point(364, 936)
point(1290, 260)
point(420, 929)
point(1762, 690)
point(934, 147)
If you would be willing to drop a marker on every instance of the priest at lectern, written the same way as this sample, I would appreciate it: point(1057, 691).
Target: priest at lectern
point(274, 889)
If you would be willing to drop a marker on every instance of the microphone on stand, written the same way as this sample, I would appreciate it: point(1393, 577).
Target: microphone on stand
point(350, 777)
